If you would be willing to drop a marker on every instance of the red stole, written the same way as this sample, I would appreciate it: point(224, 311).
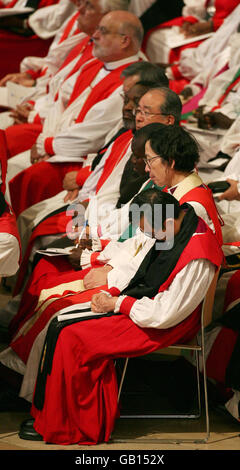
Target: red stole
point(101, 91)
point(69, 27)
point(118, 151)
point(78, 49)
point(203, 245)
point(203, 195)
point(84, 49)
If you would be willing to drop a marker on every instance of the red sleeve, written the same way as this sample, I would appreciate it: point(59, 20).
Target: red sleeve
point(126, 304)
point(48, 144)
point(223, 9)
point(34, 73)
point(82, 175)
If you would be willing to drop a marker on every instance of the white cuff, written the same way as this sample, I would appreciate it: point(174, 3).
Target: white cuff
point(40, 145)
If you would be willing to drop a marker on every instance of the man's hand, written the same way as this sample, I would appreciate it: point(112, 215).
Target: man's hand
point(21, 113)
point(74, 257)
point(186, 94)
point(69, 182)
point(231, 194)
point(96, 277)
point(71, 195)
point(196, 29)
point(102, 303)
point(22, 78)
point(35, 157)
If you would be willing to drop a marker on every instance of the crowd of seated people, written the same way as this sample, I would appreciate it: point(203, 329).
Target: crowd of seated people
point(131, 109)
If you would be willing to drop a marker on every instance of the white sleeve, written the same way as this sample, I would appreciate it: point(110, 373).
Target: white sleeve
point(46, 22)
point(9, 254)
point(172, 306)
point(84, 138)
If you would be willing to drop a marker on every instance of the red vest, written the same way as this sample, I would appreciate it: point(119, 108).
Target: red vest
point(203, 195)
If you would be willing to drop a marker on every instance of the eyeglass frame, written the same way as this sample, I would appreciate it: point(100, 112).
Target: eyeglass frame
point(103, 31)
point(147, 114)
point(147, 161)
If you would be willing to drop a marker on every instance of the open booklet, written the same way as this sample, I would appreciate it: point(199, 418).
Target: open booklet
point(56, 251)
point(77, 311)
point(13, 94)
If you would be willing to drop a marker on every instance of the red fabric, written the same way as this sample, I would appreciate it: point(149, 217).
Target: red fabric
point(225, 94)
point(117, 153)
point(13, 48)
point(21, 137)
point(3, 160)
point(232, 290)
point(27, 183)
point(44, 182)
point(84, 49)
point(202, 246)
point(223, 9)
point(82, 175)
point(48, 144)
point(203, 195)
point(69, 27)
point(83, 379)
point(220, 354)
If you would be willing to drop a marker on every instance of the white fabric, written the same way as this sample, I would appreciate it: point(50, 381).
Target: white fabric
point(9, 254)
point(187, 289)
point(192, 60)
point(138, 7)
point(46, 22)
point(73, 141)
point(163, 40)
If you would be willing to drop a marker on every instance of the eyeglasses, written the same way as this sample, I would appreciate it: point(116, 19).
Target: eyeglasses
point(149, 160)
point(147, 114)
point(104, 31)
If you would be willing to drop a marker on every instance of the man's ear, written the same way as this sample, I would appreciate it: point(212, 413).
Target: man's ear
point(169, 227)
point(170, 119)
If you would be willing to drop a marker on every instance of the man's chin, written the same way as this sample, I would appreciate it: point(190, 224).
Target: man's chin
point(128, 124)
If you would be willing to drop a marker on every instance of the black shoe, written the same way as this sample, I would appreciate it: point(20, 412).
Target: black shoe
point(28, 432)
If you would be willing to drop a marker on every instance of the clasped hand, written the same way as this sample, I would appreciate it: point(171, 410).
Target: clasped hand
point(103, 303)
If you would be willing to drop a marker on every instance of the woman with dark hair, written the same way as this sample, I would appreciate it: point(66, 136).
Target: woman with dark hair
point(151, 302)
point(171, 157)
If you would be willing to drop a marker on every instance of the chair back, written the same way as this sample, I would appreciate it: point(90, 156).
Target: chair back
point(207, 305)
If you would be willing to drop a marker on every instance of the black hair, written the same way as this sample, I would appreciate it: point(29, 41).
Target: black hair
point(174, 143)
point(147, 203)
point(142, 135)
point(147, 72)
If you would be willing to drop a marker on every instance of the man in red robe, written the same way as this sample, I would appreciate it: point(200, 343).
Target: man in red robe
point(75, 398)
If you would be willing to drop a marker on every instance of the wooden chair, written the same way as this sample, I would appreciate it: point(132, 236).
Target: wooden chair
point(198, 347)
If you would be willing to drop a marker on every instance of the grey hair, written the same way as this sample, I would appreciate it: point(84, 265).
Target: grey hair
point(172, 104)
point(110, 5)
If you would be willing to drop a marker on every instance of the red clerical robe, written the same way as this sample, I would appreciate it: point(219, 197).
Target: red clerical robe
point(80, 404)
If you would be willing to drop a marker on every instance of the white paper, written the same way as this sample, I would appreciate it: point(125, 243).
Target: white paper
point(195, 128)
point(56, 251)
point(17, 94)
point(65, 313)
point(14, 11)
point(180, 40)
point(4, 97)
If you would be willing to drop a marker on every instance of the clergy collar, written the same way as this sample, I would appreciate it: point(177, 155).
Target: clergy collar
point(109, 66)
